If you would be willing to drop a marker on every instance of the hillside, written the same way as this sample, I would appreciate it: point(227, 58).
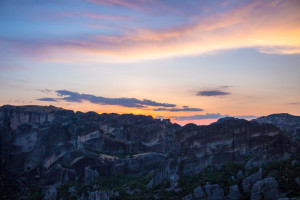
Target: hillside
point(52, 153)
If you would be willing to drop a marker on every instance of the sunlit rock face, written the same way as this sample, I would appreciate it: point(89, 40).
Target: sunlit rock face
point(228, 140)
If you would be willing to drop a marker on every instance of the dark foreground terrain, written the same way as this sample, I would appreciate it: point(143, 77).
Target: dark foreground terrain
point(52, 153)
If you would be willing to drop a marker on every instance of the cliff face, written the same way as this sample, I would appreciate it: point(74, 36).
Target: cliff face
point(289, 124)
point(51, 146)
point(47, 140)
point(229, 140)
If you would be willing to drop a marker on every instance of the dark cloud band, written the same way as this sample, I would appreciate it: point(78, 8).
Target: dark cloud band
point(185, 108)
point(209, 93)
point(210, 116)
point(70, 96)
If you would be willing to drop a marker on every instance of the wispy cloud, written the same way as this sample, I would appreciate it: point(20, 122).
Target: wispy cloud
point(185, 108)
point(69, 96)
point(210, 116)
point(45, 91)
point(107, 17)
point(12, 68)
point(47, 99)
point(209, 93)
point(294, 103)
point(269, 26)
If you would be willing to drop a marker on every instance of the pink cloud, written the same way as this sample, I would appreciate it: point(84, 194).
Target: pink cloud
point(271, 27)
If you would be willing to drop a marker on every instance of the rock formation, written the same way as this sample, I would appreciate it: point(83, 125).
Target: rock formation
point(228, 140)
point(289, 124)
point(52, 147)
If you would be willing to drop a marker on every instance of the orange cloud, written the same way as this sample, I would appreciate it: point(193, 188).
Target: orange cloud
point(269, 26)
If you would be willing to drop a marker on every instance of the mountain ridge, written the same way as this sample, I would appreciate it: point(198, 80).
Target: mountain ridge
point(53, 147)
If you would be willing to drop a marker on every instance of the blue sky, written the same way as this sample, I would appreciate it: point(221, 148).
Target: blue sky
point(245, 54)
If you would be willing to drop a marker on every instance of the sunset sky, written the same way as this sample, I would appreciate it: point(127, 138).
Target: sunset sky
point(191, 61)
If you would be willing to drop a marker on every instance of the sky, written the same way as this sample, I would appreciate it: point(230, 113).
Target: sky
point(191, 61)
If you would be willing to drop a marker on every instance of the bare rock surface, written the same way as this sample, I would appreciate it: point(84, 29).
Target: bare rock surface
point(266, 189)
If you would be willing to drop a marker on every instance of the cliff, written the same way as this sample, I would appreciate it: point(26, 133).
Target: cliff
point(51, 147)
point(289, 124)
point(229, 140)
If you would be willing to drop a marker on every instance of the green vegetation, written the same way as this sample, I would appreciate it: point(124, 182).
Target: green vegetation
point(35, 193)
point(116, 183)
point(224, 177)
point(285, 173)
point(63, 191)
point(135, 187)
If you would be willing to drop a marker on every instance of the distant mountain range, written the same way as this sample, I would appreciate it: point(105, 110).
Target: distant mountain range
point(52, 153)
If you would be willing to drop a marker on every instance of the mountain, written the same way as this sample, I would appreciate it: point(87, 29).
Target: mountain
point(289, 124)
point(53, 153)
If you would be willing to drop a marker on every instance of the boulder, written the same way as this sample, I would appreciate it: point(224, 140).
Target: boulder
point(188, 197)
point(294, 162)
point(98, 195)
point(72, 191)
point(266, 189)
point(297, 180)
point(214, 192)
point(150, 184)
point(234, 193)
point(240, 174)
point(250, 180)
point(51, 194)
point(199, 193)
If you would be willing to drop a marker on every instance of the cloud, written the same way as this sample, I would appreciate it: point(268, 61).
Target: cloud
point(47, 99)
point(70, 96)
point(225, 86)
point(294, 103)
point(12, 68)
point(279, 50)
point(269, 26)
point(210, 116)
point(185, 108)
point(212, 93)
point(45, 91)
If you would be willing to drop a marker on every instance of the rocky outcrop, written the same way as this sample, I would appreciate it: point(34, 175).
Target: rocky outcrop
point(213, 192)
point(45, 145)
point(51, 194)
point(266, 189)
point(249, 181)
point(297, 180)
point(90, 175)
point(188, 197)
point(234, 193)
point(228, 140)
point(289, 124)
point(98, 195)
point(34, 138)
point(199, 193)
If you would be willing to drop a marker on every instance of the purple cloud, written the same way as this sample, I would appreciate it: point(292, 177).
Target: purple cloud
point(70, 96)
point(210, 93)
point(211, 116)
point(47, 99)
point(185, 108)
point(294, 103)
